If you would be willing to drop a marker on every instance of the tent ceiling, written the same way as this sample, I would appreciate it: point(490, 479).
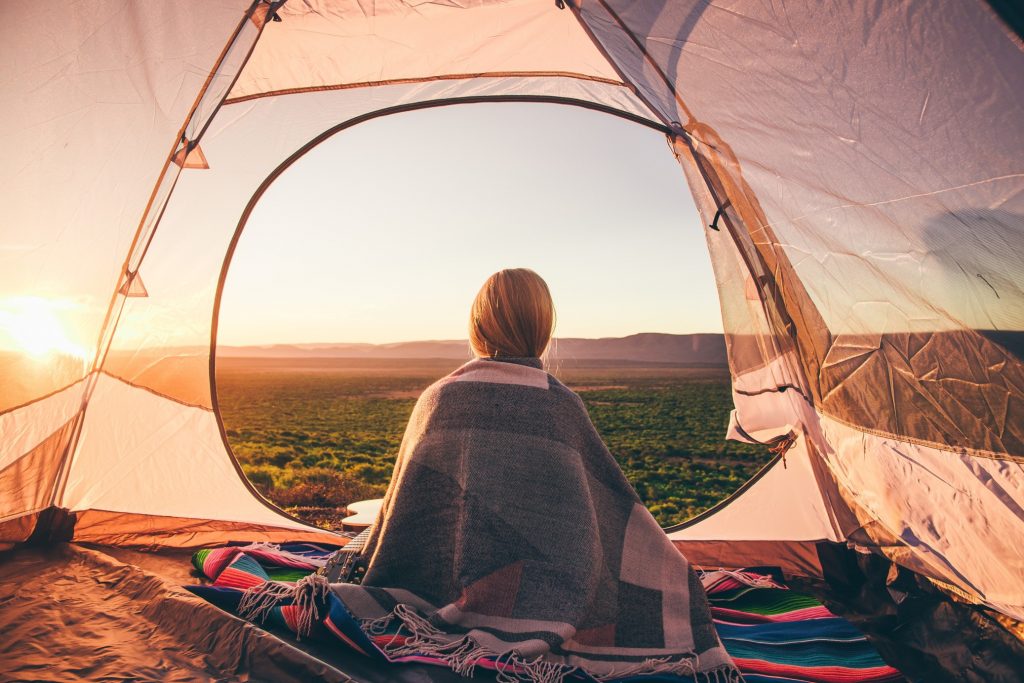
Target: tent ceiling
point(328, 45)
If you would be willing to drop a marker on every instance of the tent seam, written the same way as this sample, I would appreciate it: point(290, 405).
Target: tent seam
point(67, 458)
point(430, 79)
point(155, 392)
point(43, 397)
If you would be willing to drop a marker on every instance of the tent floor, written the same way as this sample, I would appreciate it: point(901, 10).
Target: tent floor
point(73, 613)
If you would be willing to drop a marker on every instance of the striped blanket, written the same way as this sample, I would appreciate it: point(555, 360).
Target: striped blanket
point(774, 635)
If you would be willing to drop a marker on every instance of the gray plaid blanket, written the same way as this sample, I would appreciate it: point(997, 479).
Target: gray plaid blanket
point(508, 529)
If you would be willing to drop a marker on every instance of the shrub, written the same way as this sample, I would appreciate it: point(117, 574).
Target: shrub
point(322, 487)
point(262, 477)
point(374, 474)
point(308, 460)
point(281, 459)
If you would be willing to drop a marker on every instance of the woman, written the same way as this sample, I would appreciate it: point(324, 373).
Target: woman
point(509, 536)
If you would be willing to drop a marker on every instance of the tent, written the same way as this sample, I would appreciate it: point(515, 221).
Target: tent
point(858, 165)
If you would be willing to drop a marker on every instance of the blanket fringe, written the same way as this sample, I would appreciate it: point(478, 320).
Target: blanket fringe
point(536, 670)
point(462, 655)
point(306, 595)
point(687, 665)
point(746, 578)
point(277, 550)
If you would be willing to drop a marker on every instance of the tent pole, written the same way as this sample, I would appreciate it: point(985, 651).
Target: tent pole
point(810, 358)
point(109, 324)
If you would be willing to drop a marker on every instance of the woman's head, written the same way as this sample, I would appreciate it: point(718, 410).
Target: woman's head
point(512, 315)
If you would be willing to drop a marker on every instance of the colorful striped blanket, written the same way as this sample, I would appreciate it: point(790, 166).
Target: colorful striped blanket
point(774, 635)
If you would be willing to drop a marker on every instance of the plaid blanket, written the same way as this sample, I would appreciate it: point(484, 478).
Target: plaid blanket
point(508, 532)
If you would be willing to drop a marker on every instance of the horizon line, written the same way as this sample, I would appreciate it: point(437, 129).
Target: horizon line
point(463, 340)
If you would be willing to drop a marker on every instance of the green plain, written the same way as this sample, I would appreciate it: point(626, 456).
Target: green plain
point(316, 434)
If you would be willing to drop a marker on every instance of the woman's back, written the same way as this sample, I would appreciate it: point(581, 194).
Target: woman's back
point(491, 450)
point(509, 533)
point(508, 524)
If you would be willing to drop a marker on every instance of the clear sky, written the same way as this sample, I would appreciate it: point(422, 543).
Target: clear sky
point(386, 231)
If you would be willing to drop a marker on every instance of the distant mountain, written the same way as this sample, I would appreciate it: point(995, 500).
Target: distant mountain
point(650, 347)
point(647, 347)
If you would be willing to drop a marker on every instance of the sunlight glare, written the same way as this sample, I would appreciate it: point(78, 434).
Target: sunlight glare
point(33, 325)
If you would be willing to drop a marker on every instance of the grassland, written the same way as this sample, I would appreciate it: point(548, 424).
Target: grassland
point(316, 434)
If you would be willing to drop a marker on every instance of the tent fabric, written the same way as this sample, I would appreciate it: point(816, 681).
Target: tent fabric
point(79, 614)
point(902, 239)
point(327, 45)
point(934, 528)
point(95, 104)
point(797, 518)
point(860, 164)
point(25, 485)
point(865, 306)
point(915, 623)
point(125, 468)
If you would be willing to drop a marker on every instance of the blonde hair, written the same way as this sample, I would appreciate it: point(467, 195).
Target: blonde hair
point(512, 315)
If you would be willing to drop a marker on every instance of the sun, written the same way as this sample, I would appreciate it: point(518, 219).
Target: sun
point(33, 326)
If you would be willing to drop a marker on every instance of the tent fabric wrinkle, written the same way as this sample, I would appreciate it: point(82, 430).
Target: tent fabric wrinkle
point(406, 81)
point(26, 485)
point(26, 427)
point(111, 598)
point(711, 94)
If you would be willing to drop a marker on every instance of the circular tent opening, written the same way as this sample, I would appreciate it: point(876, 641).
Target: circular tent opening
point(348, 288)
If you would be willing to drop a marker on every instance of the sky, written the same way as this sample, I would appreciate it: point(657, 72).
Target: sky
point(386, 231)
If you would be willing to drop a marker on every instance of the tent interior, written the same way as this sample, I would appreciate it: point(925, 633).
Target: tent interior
point(858, 166)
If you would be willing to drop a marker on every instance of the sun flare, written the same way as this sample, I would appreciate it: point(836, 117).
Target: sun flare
point(33, 325)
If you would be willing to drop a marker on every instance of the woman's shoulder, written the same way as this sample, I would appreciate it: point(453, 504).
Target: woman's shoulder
point(565, 392)
point(508, 397)
point(526, 372)
point(507, 375)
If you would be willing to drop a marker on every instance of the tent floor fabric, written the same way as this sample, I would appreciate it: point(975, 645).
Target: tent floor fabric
point(76, 613)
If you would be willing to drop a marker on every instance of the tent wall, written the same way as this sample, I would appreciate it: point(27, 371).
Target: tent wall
point(871, 183)
point(877, 175)
point(35, 438)
point(169, 447)
point(738, 533)
point(144, 461)
point(158, 458)
point(102, 100)
point(950, 516)
point(94, 98)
